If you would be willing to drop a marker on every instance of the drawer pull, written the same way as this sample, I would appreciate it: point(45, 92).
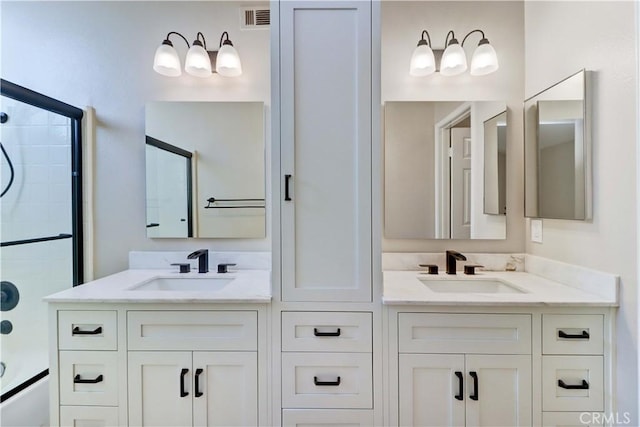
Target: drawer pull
point(96, 380)
point(332, 383)
point(583, 386)
point(196, 386)
point(317, 333)
point(583, 336)
point(474, 375)
point(77, 331)
point(287, 196)
point(460, 394)
point(183, 392)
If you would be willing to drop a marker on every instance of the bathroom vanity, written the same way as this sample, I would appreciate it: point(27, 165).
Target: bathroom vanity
point(134, 349)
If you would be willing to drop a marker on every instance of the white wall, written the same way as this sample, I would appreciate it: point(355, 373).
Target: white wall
point(101, 54)
point(502, 22)
point(562, 38)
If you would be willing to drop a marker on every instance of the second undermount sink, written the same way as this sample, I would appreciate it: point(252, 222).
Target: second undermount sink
point(471, 286)
point(197, 284)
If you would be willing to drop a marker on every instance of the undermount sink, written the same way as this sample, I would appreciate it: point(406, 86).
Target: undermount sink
point(471, 286)
point(199, 284)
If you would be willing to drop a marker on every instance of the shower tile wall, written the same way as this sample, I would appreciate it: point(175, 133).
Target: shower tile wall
point(38, 204)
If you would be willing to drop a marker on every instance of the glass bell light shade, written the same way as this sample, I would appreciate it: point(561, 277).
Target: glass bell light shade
point(423, 61)
point(228, 61)
point(453, 61)
point(198, 63)
point(166, 61)
point(484, 60)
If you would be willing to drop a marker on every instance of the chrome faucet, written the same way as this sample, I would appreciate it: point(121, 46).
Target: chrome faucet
point(452, 256)
point(203, 259)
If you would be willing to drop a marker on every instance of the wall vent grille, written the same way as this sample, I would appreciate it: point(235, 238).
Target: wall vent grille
point(254, 18)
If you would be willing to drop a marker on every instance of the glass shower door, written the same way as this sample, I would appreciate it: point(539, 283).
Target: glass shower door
point(37, 253)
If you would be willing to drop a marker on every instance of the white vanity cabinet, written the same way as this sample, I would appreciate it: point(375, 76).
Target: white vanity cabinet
point(499, 366)
point(464, 369)
point(325, 150)
point(159, 365)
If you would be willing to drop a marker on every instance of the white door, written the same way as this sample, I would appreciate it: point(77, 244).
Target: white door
point(430, 390)
point(325, 54)
point(498, 391)
point(227, 389)
point(160, 388)
point(460, 183)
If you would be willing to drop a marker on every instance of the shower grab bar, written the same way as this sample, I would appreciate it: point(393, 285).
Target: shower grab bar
point(37, 240)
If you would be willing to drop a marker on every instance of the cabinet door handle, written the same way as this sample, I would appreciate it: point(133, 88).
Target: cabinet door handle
point(77, 331)
point(183, 373)
point(317, 333)
point(96, 380)
point(287, 196)
point(460, 394)
point(583, 386)
point(333, 383)
point(583, 336)
point(474, 395)
point(196, 385)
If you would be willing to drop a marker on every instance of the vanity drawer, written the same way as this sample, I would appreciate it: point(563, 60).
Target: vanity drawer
point(192, 330)
point(464, 333)
point(326, 331)
point(572, 334)
point(87, 330)
point(89, 416)
point(327, 380)
point(324, 417)
point(585, 372)
point(88, 378)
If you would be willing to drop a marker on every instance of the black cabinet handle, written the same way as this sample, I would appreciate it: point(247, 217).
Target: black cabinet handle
point(196, 385)
point(333, 383)
point(474, 375)
point(183, 373)
point(583, 386)
point(287, 196)
point(583, 336)
point(317, 333)
point(460, 394)
point(77, 331)
point(96, 380)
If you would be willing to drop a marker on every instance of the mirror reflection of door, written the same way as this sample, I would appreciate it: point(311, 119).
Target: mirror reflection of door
point(460, 184)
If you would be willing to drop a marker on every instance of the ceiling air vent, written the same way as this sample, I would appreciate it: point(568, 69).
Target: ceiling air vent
point(252, 18)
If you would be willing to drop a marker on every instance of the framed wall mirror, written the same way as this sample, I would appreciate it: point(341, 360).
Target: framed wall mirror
point(434, 170)
point(558, 151)
point(226, 140)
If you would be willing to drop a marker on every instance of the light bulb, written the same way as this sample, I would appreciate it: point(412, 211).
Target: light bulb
point(453, 61)
point(484, 60)
point(423, 61)
point(198, 63)
point(166, 61)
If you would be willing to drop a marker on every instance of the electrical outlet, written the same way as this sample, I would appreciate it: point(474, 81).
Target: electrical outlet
point(536, 230)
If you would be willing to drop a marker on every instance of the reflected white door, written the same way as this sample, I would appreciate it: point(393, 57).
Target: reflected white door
point(460, 183)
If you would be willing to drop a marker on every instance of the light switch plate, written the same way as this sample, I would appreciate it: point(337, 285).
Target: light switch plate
point(536, 230)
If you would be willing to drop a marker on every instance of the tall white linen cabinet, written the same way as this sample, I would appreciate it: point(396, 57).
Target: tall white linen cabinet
point(327, 323)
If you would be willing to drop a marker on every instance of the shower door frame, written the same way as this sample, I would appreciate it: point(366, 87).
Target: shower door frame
point(27, 96)
point(30, 97)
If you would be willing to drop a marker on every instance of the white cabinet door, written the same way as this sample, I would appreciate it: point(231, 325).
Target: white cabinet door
point(498, 391)
point(157, 386)
point(430, 390)
point(227, 389)
point(325, 61)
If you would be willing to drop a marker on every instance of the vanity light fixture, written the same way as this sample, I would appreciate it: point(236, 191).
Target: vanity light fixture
point(199, 62)
point(454, 61)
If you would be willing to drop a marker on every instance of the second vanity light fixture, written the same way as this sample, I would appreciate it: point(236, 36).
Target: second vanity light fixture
point(454, 61)
point(199, 62)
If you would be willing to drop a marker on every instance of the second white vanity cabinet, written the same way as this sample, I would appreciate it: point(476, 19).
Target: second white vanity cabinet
point(464, 369)
point(215, 384)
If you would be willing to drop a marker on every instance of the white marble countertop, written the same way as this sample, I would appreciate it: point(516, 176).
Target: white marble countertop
point(248, 286)
point(405, 287)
